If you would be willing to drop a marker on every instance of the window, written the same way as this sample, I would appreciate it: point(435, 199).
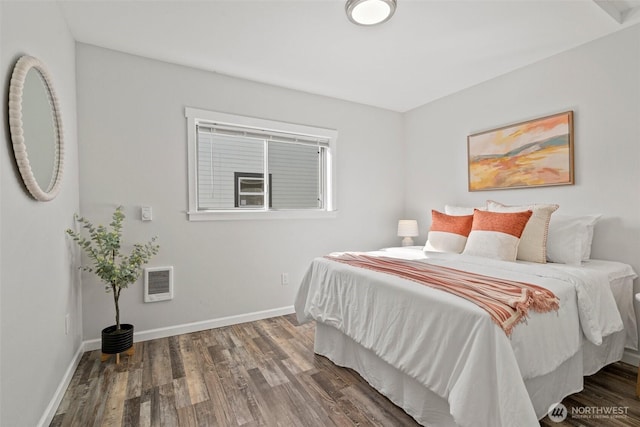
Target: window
point(229, 156)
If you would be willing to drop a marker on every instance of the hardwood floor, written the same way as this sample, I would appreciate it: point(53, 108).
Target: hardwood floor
point(612, 387)
point(263, 373)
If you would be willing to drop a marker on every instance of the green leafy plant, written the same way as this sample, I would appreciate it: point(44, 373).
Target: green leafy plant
point(103, 247)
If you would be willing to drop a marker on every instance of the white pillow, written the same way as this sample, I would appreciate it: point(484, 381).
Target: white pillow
point(533, 242)
point(460, 210)
point(570, 237)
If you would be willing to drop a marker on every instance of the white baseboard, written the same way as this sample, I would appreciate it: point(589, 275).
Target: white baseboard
point(51, 409)
point(631, 357)
point(197, 326)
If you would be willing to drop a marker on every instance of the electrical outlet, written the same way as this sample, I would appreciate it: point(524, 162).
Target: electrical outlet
point(67, 324)
point(284, 279)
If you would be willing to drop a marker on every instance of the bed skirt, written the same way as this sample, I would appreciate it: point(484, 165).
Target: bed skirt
point(429, 409)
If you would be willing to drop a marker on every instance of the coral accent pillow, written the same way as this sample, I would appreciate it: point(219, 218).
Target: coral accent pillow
point(448, 233)
point(496, 234)
point(533, 242)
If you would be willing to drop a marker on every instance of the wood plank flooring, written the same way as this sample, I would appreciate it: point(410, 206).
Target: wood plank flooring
point(263, 373)
point(612, 387)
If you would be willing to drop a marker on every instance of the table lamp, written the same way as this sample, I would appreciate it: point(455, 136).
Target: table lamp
point(407, 228)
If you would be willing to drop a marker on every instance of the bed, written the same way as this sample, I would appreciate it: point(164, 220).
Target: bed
point(443, 360)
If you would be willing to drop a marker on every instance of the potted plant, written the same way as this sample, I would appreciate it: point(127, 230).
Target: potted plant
point(103, 247)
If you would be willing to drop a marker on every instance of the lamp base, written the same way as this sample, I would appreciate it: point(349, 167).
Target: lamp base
point(407, 241)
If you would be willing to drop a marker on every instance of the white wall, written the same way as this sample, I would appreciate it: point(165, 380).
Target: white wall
point(600, 82)
point(38, 284)
point(133, 152)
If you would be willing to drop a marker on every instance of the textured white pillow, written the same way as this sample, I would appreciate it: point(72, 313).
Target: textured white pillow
point(533, 242)
point(586, 246)
point(460, 210)
point(570, 237)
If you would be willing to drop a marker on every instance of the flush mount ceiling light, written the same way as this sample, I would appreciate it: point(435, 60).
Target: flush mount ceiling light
point(370, 12)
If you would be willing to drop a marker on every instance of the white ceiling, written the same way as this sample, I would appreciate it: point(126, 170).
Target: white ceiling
point(429, 49)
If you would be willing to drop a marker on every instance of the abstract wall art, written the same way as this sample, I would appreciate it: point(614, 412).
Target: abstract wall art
point(534, 153)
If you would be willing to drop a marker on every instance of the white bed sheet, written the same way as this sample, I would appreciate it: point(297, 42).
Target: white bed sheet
point(621, 278)
point(620, 275)
point(429, 409)
point(450, 345)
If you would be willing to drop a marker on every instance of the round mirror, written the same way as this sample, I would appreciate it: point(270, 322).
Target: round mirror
point(36, 128)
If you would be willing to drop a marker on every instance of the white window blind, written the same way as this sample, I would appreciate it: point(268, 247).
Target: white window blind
point(232, 161)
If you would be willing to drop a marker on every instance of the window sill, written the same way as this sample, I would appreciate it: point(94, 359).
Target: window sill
point(260, 215)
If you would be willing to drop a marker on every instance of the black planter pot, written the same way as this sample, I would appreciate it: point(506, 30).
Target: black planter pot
point(117, 341)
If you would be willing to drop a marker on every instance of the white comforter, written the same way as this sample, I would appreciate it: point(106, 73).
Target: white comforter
point(452, 346)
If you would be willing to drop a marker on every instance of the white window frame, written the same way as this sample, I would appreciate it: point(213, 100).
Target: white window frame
point(195, 116)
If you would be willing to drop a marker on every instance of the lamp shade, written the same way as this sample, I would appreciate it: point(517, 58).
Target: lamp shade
point(407, 228)
point(370, 12)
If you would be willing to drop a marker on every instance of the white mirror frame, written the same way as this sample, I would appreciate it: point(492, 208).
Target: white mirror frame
point(22, 67)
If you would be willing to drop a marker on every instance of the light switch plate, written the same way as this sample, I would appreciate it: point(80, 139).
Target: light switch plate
point(146, 213)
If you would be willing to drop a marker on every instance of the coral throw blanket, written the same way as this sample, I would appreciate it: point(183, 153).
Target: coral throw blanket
point(506, 301)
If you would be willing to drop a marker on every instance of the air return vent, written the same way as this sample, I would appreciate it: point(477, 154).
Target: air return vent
point(158, 284)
